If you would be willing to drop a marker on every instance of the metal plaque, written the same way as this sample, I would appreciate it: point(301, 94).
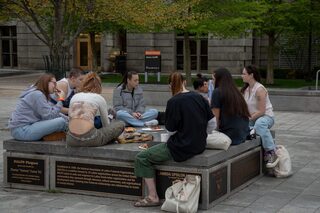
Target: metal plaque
point(245, 169)
point(25, 171)
point(217, 184)
point(100, 178)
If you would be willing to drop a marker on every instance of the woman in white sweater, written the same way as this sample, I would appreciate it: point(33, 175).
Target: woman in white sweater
point(84, 106)
point(261, 112)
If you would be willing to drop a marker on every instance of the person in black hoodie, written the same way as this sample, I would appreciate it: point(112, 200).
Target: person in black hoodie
point(188, 119)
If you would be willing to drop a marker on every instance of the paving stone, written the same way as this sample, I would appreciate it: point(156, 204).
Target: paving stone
point(294, 209)
point(20, 202)
point(60, 203)
point(221, 208)
point(241, 199)
point(257, 188)
point(90, 199)
point(40, 209)
point(10, 210)
point(258, 209)
point(313, 189)
point(274, 200)
point(81, 207)
point(116, 209)
point(306, 201)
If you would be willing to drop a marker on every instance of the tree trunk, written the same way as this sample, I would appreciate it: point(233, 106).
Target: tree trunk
point(186, 57)
point(93, 51)
point(270, 67)
point(308, 73)
point(57, 62)
point(57, 51)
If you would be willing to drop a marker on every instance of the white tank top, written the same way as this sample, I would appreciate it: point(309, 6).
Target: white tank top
point(252, 102)
point(69, 88)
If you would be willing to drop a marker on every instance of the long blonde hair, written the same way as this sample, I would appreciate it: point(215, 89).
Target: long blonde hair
point(176, 81)
point(91, 83)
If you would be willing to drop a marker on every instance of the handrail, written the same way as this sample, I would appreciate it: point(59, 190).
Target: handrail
point(317, 79)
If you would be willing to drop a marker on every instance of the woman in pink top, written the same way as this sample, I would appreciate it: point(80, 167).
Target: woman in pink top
point(261, 111)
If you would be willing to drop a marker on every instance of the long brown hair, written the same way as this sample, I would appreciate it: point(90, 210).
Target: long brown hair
point(256, 75)
point(126, 76)
point(232, 100)
point(91, 83)
point(42, 84)
point(176, 80)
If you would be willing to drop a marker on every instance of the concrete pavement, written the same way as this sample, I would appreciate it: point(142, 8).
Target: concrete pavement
point(299, 132)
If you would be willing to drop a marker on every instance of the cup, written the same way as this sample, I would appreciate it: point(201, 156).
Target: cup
point(164, 137)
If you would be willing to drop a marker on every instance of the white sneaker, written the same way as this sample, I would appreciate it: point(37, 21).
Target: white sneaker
point(153, 122)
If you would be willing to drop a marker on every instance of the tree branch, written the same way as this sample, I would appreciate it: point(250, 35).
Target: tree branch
point(23, 20)
point(34, 18)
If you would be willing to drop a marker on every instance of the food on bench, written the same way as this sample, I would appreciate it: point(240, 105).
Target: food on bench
point(136, 134)
point(144, 146)
point(129, 129)
point(134, 137)
point(146, 137)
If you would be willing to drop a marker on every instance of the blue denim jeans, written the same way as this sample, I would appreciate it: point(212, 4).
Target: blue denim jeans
point(38, 130)
point(148, 115)
point(262, 126)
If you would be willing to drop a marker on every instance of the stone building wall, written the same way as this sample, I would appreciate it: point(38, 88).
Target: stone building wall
point(30, 49)
point(232, 54)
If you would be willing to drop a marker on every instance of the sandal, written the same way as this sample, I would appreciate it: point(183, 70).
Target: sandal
point(146, 202)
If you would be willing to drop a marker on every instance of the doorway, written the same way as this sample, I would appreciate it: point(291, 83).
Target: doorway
point(84, 52)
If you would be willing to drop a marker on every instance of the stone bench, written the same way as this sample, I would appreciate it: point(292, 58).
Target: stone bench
point(108, 170)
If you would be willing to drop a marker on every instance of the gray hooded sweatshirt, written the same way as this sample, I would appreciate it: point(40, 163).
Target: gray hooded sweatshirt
point(130, 101)
point(33, 107)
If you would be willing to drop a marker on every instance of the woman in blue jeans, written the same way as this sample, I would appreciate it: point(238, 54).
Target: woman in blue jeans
point(261, 112)
point(129, 103)
point(35, 116)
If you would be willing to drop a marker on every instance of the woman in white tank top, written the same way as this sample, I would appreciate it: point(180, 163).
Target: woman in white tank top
point(261, 111)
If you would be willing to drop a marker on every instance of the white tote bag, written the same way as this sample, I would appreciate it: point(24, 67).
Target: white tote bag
point(218, 140)
point(283, 168)
point(183, 196)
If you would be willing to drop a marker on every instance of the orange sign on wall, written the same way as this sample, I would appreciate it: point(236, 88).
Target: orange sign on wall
point(152, 52)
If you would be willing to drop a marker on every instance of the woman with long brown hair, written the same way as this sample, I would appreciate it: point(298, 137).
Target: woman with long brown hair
point(229, 107)
point(35, 116)
point(84, 106)
point(261, 112)
point(187, 117)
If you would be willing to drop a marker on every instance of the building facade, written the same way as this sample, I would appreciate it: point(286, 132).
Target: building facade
point(21, 49)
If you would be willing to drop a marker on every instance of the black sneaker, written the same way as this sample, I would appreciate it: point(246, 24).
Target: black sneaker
point(252, 135)
point(273, 160)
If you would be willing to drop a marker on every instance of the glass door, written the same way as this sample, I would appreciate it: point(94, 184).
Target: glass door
point(84, 52)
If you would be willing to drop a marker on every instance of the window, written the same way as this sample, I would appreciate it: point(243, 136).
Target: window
point(198, 53)
point(8, 46)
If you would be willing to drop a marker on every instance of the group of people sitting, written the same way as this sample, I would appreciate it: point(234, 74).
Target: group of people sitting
point(75, 105)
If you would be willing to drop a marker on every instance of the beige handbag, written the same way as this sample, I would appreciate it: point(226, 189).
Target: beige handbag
point(218, 140)
point(283, 168)
point(183, 196)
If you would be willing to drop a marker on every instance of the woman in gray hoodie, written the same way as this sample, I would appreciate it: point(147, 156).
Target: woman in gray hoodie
point(129, 103)
point(35, 116)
